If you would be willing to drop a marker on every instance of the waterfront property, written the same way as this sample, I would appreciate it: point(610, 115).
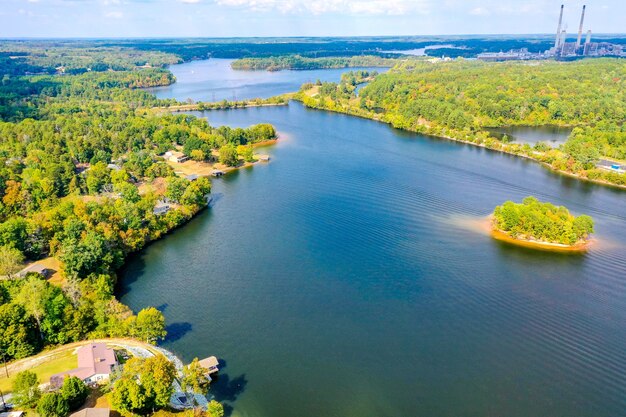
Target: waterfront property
point(95, 364)
point(175, 156)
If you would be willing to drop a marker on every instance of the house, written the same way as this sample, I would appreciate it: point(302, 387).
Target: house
point(175, 156)
point(95, 364)
point(114, 167)
point(161, 208)
point(92, 412)
point(192, 177)
point(35, 269)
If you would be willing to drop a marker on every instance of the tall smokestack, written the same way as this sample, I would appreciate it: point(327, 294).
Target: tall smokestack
point(558, 29)
point(588, 37)
point(580, 28)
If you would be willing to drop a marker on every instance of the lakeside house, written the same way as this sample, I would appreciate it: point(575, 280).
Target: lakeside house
point(192, 177)
point(175, 156)
point(95, 364)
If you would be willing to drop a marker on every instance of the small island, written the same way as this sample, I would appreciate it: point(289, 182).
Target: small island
point(541, 225)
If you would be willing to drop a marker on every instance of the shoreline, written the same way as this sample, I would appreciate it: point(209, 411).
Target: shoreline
point(501, 235)
point(378, 118)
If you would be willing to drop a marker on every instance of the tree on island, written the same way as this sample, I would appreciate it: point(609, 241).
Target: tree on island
point(535, 220)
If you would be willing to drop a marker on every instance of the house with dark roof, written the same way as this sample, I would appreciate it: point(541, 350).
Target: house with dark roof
point(95, 364)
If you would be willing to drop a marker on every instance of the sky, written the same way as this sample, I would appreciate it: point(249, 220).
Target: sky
point(228, 18)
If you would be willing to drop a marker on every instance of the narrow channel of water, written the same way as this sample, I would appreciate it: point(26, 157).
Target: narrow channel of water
point(341, 279)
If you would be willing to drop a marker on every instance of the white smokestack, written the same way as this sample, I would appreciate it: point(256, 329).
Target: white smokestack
point(558, 29)
point(580, 28)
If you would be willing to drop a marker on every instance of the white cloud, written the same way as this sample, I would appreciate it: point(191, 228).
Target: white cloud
point(318, 7)
point(479, 11)
point(189, 1)
point(114, 15)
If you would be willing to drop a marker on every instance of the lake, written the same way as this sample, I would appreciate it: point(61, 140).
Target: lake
point(345, 278)
point(214, 80)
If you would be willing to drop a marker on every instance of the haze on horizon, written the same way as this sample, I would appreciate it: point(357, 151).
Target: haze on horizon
point(245, 18)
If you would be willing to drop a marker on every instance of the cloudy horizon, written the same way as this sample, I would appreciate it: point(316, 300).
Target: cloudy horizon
point(247, 18)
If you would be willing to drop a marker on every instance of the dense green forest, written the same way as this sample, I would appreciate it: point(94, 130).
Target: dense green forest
point(534, 220)
point(80, 178)
point(297, 62)
point(461, 99)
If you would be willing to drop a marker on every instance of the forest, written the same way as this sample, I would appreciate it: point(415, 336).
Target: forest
point(297, 62)
point(461, 99)
point(81, 176)
point(535, 220)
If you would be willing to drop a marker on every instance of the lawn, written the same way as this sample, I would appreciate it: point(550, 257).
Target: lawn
point(63, 361)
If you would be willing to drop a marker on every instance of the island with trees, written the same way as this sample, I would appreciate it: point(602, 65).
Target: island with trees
point(541, 225)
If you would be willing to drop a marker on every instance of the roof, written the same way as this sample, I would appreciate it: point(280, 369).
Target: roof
point(192, 177)
point(92, 412)
point(12, 414)
point(93, 359)
point(36, 268)
point(209, 363)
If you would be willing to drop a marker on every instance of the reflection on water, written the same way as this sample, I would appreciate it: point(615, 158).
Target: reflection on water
point(552, 135)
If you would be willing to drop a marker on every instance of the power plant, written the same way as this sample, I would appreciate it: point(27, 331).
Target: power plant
point(562, 50)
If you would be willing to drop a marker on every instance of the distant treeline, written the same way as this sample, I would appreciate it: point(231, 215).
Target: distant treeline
point(297, 62)
point(18, 57)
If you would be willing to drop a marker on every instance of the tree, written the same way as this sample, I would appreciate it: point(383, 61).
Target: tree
point(195, 377)
point(150, 325)
point(18, 338)
point(215, 409)
point(228, 155)
point(53, 404)
point(26, 389)
point(10, 260)
point(75, 392)
point(128, 396)
point(176, 186)
point(33, 297)
point(145, 385)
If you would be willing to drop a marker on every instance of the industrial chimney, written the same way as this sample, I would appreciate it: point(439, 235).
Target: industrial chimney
point(580, 28)
point(558, 29)
point(588, 37)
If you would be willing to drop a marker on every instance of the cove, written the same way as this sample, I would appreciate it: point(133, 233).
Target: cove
point(341, 280)
point(214, 80)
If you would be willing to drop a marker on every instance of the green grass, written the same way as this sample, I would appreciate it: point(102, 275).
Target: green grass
point(63, 361)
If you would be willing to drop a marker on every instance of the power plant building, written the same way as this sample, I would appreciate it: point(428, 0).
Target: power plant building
point(563, 49)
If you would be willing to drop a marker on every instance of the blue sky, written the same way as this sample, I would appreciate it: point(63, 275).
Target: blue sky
point(223, 18)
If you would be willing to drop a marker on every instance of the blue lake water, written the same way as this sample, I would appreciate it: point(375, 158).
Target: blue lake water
point(346, 278)
point(215, 80)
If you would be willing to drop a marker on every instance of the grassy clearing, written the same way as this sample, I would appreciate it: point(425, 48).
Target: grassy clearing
point(63, 361)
